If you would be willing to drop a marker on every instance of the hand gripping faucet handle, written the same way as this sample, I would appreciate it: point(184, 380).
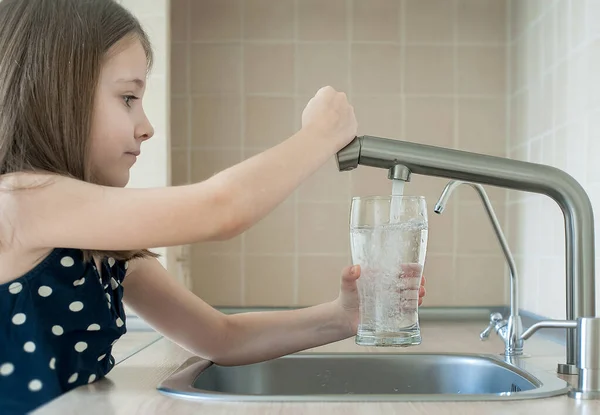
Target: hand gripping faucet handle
point(495, 318)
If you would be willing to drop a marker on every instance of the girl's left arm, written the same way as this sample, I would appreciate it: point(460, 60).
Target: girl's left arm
point(236, 339)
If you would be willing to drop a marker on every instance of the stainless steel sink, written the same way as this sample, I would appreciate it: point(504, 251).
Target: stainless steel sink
point(365, 377)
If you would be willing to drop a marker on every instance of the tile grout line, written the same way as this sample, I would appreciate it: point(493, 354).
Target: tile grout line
point(537, 81)
point(342, 42)
point(188, 249)
point(550, 69)
point(296, 199)
point(375, 95)
point(349, 40)
point(242, 146)
point(403, 46)
point(188, 94)
point(508, 132)
point(340, 254)
point(456, 144)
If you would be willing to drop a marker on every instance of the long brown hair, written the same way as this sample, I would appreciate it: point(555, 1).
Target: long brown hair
point(51, 53)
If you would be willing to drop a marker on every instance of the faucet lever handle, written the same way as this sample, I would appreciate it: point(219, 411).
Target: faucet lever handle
point(495, 318)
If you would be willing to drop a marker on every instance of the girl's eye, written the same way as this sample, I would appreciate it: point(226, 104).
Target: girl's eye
point(128, 99)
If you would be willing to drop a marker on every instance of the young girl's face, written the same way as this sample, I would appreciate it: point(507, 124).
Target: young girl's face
point(119, 123)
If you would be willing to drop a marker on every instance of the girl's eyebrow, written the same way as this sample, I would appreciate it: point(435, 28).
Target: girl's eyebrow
point(139, 83)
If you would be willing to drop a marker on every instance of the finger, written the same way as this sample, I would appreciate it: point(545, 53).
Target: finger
point(422, 292)
point(423, 281)
point(351, 273)
point(326, 90)
point(412, 270)
point(420, 300)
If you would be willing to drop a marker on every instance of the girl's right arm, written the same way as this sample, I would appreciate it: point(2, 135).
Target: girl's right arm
point(64, 212)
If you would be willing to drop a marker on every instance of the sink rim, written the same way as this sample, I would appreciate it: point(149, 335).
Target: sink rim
point(180, 383)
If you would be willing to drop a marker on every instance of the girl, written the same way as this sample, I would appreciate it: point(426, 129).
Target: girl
point(73, 240)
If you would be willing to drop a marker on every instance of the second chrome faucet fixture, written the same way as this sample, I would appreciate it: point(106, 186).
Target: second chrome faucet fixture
point(509, 330)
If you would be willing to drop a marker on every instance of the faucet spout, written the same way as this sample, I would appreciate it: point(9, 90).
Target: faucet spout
point(512, 329)
point(551, 324)
point(511, 174)
point(514, 278)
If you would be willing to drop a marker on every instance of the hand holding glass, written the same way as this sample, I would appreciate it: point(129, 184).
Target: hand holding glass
point(389, 240)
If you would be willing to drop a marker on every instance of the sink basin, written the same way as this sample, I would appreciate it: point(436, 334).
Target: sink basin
point(365, 377)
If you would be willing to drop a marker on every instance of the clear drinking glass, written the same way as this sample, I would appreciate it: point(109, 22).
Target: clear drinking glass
point(388, 237)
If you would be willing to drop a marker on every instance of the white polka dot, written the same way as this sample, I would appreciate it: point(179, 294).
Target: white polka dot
point(113, 283)
point(93, 327)
point(73, 378)
point(79, 282)
point(76, 306)
point(35, 385)
point(57, 330)
point(44, 291)
point(126, 265)
point(111, 262)
point(101, 357)
point(92, 378)
point(6, 369)
point(29, 347)
point(81, 346)
point(108, 304)
point(15, 288)
point(19, 319)
point(53, 363)
point(108, 297)
point(119, 322)
point(67, 261)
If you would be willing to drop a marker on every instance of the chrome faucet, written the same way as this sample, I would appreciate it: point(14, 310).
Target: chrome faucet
point(510, 330)
point(402, 159)
point(588, 353)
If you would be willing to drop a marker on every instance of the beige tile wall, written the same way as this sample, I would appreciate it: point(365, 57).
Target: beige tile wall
point(554, 100)
point(432, 71)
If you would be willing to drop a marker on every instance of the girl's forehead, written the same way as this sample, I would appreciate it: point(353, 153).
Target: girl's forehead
point(126, 60)
point(130, 55)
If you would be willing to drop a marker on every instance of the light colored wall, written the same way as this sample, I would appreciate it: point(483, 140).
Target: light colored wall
point(153, 169)
point(554, 119)
point(432, 71)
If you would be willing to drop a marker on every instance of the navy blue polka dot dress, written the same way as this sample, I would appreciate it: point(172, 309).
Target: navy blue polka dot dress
point(58, 324)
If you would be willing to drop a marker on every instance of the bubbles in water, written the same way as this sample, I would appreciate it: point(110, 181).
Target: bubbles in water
point(391, 259)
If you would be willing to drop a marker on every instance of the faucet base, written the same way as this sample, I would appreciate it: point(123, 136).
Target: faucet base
point(567, 369)
point(516, 354)
point(577, 394)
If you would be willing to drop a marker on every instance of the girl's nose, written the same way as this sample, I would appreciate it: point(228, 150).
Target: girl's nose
point(145, 130)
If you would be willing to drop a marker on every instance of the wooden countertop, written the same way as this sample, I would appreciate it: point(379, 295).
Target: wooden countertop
point(130, 388)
